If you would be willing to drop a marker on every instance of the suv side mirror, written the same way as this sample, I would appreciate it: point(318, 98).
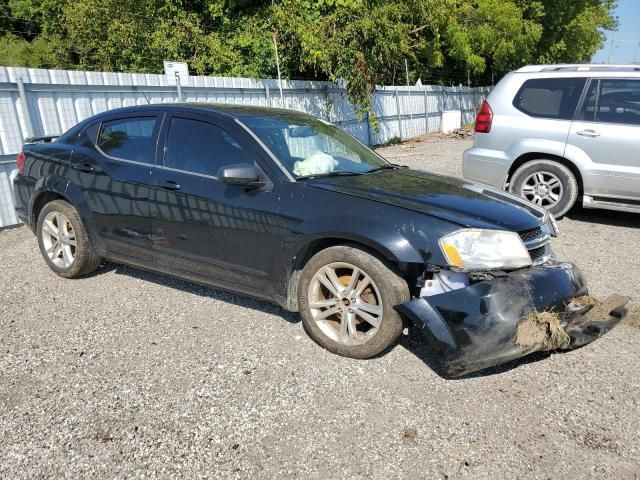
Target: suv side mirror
point(244, 174)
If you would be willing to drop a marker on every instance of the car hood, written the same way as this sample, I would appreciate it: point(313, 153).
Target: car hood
point(456, 200)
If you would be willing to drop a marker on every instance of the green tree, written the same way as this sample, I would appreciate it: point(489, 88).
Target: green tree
point(364, 42)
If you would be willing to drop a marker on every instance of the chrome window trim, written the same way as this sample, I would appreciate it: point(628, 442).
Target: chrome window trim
point(163, 167)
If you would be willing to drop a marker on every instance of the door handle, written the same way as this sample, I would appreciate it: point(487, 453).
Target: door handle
point(170, 185)
point(588, 133)
point(84, 167)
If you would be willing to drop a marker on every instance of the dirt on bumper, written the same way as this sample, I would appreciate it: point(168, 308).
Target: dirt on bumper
point(510, 316)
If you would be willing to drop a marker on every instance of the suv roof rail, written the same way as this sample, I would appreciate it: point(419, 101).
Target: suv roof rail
point(580, 67)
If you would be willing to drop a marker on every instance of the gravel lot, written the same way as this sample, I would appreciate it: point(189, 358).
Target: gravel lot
point(128, 373)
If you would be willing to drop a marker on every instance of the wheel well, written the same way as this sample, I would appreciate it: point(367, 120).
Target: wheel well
point(527, 157)
point(408, 271)
point(40, 201)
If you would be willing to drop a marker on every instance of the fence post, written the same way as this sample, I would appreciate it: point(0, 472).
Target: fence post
point(25, 107)
point(369, 142)
point(426, 112)
point(266, 94)
point(179, 88)
point(399, 114)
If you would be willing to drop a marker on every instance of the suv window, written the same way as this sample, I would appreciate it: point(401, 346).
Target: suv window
point(201, 147)
point(129, 139)
point(555, 98)
point(612, 101)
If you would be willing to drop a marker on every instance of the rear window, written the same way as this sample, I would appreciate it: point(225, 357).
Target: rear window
point(128, 139)
point(554, 98)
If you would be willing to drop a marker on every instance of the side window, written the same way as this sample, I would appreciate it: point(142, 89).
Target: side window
point(88, 136)
point(129, 139)
point(588, 109)
point(554, 98)
point(618, 102)
point(201, 147)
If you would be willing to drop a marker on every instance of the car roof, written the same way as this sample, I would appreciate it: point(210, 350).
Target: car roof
point(225, 109)
point(580, 67)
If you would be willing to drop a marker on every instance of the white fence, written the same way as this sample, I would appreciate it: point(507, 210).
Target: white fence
point(36, 102)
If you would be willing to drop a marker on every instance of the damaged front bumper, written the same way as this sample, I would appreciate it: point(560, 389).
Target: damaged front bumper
point(495, 321)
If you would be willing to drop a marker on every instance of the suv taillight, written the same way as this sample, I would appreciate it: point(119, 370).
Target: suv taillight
point(484, 118)
point(20, 162)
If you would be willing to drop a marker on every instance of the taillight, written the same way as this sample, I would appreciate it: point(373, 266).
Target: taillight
point(20, 162)
point(484, 118)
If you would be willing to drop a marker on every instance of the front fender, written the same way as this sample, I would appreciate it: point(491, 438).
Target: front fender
point(390, 243)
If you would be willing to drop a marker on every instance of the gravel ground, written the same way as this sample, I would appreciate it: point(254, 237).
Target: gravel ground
point(128, 373)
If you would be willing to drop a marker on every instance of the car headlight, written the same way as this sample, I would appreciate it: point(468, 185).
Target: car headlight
point(479, 249)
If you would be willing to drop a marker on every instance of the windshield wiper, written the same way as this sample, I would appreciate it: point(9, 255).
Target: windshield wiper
point(330, 174)
point(386, 166)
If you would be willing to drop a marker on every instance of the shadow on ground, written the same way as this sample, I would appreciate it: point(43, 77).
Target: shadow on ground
point(414, 342)
point(605, 217)
point(198, 289)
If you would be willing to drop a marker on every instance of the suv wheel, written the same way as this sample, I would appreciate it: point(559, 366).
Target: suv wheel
point(63, 241)
point(546, 183)
point(346, 298)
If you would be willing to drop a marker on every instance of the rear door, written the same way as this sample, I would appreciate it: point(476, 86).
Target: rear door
point(201, 226)
point(112, 164)
point(607, 131)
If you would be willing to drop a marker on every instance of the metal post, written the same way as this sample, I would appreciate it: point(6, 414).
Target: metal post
point(275, 45)
point(25, 107)
point(613, 40)
point(266, 94)
point(369, 141)
point(399, 114)
point(426, 112)
point(179, 87)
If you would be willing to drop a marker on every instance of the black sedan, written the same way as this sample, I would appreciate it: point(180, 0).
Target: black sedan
point(287, 207)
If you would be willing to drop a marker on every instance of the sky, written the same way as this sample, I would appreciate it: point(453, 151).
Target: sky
point(627, 37)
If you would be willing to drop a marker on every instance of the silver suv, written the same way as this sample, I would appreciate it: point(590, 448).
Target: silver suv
point(555, 134)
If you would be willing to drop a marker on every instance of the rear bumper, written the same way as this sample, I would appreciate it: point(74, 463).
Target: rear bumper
point(485, 166)
point(485, 323)
point(23, 188)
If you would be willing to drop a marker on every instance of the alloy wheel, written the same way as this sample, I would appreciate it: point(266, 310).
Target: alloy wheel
point(345, 303)
point(542, 188)
point(59, 239)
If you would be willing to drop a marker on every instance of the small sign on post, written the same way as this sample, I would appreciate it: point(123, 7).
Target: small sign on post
point(176, 72)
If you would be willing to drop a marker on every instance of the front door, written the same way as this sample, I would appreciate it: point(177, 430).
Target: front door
point(606, 133)
point(200, 226)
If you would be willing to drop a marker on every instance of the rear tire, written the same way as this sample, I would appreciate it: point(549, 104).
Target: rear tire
point(546, 183)
point(63, 241)
point(362, 293)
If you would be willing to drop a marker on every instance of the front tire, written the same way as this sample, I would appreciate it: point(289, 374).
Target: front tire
point(546, 183)
point(346, 298)
point(63, 241)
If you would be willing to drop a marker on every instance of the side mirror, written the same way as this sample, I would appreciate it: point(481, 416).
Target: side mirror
point(244, 174)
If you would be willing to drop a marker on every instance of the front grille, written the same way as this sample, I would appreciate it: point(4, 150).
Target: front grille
point(540, 255)
point(538, 239)
point(531, 234)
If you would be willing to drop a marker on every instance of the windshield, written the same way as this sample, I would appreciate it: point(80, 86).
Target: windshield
point(308, 147)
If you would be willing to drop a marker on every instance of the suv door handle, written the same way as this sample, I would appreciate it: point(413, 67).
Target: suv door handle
point(83, 167)
point(588, 133)
point(170, 185)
